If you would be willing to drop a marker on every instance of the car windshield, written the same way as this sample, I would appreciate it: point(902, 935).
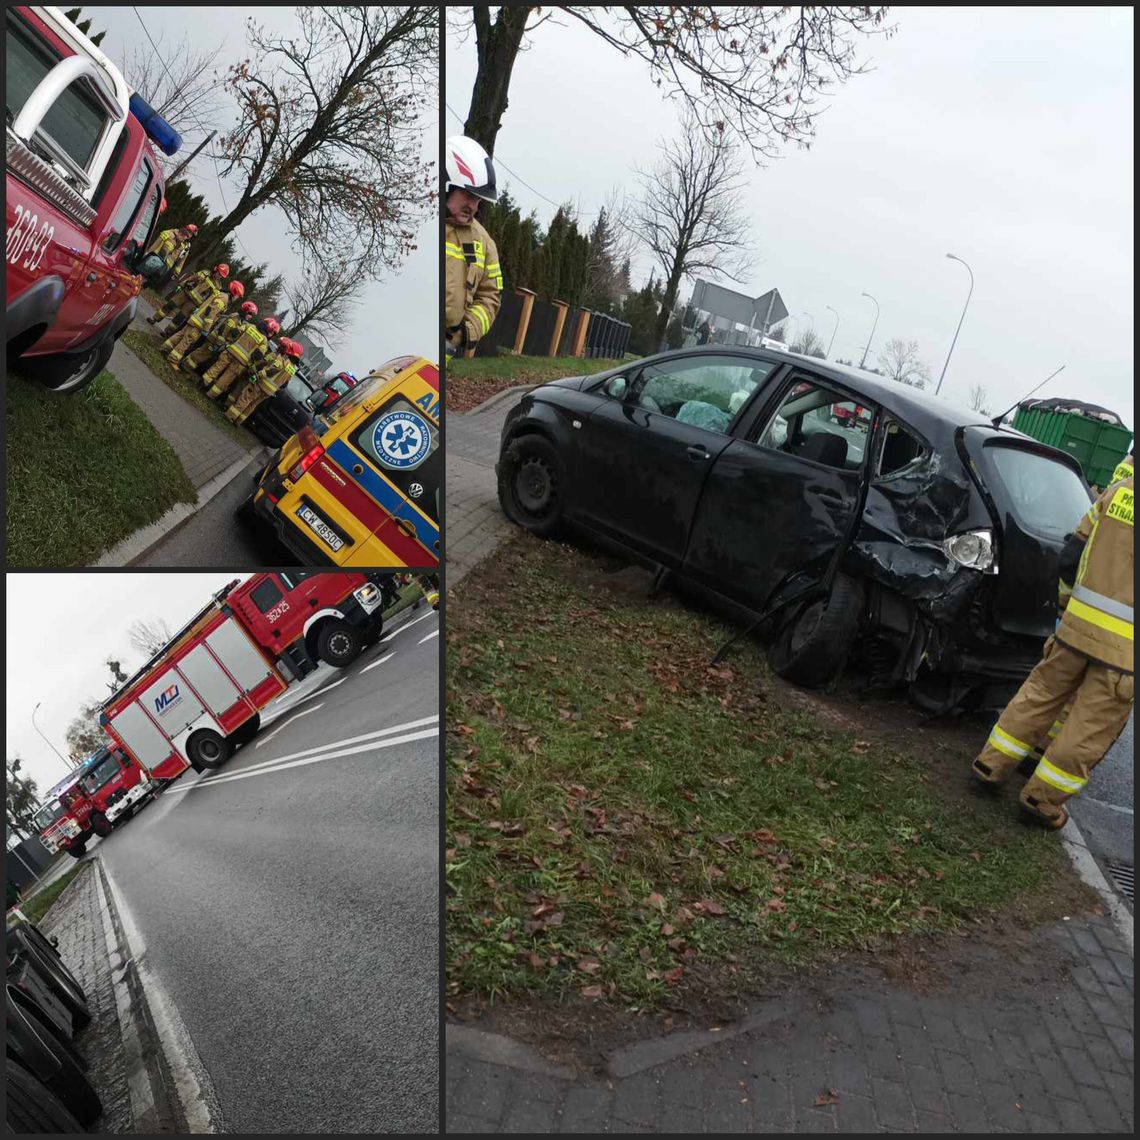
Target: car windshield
point(47, 815)
point(1047, 497)
point(100, 775)
point(369, 386)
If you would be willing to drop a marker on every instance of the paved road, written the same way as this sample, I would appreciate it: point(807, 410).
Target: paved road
point(214, 537)
point(1105, 811)
point(291, 912)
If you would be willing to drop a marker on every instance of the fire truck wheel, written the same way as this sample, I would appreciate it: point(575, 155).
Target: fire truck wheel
point(339, 644)
point(248, 730)
point(78, 850)
point(67, 372)
point(207, 748)
point(33, 1108)
point(100, 824)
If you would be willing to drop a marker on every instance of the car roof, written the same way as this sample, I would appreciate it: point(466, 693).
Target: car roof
point(910, 404)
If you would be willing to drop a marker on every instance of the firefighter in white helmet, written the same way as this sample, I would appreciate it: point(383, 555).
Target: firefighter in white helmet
point(473, 278)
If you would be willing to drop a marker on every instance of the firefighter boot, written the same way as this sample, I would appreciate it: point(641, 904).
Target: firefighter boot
point(176, 346)
point(1099, 713)
point(226, 378)
point(1025, 721)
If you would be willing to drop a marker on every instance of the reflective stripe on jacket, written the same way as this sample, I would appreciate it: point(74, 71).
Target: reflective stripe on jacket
point(206, 315)
point(473, 280)
point(201, 287)
point(275, 373)
point(1098, 619)
point(251, 344)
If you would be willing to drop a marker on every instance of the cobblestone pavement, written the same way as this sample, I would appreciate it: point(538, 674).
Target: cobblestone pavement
point(863, 1055)
point(204, 450)
point(474, 524)
point(75, 919)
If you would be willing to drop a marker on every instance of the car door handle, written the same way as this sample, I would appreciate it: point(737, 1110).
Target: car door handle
point(405, 528)
point(697, 451)
point(832, 498)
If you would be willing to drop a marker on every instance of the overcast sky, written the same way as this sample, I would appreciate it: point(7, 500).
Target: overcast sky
point(1001, 135)
point(396, 316)
point(62, 628)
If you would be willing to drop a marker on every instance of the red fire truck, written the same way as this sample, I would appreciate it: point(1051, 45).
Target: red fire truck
point(83, 192)
point(63, 820)
point(201, 695)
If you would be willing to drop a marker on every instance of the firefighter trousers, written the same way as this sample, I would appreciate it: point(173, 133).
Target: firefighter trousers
point(242, 406)
point(222, 375)
point(199, 356)
point(1099, 701)
point(179, 343)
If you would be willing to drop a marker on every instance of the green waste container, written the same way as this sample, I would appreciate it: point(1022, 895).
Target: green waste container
point(1095, 443)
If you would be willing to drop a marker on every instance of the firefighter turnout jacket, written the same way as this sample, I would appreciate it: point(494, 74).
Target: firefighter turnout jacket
point(206, 315)
point(228, 329)
point(473, 283)
point(172, 249)
point(198, 287)
point(275, 373)
point(249, 346)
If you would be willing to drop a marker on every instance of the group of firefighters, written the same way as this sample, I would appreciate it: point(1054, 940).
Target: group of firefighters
point(233, 352)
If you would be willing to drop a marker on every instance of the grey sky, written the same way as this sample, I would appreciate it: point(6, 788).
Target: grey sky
point(1001, 135)
point(396, 316)
point(56, 651)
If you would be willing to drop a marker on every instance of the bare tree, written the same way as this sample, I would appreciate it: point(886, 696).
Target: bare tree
point(690, 217)
point(85, 734)
point(899, 361)
point(323, 299)
point(148, 636)
point(979, 399)
point(808, 344)
point(185, 92)
point(757, 71)
point(330, 131)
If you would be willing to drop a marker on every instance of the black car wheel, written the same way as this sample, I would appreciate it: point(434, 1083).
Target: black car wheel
point(339, 644)
point(813, 643)
point(32, 1107)
point(78, 850)
point(208, 749)
point(531, 484)
point(100, 824)
point(67, 372)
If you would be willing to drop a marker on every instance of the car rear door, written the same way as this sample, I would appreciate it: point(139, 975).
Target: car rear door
point(779, 502)
point(644, 453)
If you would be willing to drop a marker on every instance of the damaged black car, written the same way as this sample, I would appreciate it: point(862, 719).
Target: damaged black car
point(846, 513)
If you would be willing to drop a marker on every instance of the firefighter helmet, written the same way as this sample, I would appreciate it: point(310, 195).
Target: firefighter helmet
point(191, 227)
point(469, 168)
point(269, 326)
point(237, 289)
point(222, 270)
point(248, 309)
point(295, 350)
point(162, 206)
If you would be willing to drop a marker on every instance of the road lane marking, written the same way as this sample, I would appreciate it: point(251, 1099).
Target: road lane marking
point(270, 767)
point(307, 697)
point(409, 624)
point(295, 716)
point(434, 633)
point(212, 778)
point(386, 657)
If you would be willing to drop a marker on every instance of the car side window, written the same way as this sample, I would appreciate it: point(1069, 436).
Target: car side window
point(818, 423)
point(127, 207)
point(902, 449)
point(704, 391)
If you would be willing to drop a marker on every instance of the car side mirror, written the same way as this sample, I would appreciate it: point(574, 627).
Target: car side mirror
point(616, 387)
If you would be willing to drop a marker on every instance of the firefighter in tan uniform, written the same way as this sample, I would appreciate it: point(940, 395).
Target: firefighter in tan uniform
point(271, 377)
point(240, 358)
point(173, 247)
point(473, 280)
point(226, 331)
point(1087, 665)
point(190, 292)
point(201, 320)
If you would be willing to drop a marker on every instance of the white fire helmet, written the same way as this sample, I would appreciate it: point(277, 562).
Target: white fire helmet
point(469, 168)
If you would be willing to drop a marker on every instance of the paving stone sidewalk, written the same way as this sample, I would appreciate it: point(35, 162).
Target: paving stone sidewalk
point(863, 1055)
point(76, 921)
point(204, 450)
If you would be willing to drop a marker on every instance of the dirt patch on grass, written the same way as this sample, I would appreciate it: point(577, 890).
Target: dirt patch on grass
point(470, 382)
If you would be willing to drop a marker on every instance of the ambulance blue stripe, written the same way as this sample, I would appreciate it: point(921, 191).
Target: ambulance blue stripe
point(384, 493)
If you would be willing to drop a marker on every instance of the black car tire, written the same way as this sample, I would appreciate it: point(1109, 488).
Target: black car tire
point(339, 644)
point(530, 484)
point(813, 642)
point(207, 748)
point(100, 824)
point(67, 372)
point(78, 850)
point(248, 730)
point(31, 1107)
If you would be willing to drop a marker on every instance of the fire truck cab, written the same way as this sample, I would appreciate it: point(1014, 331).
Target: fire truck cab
point(63, 820)
point(83, 192)
point(116, 786)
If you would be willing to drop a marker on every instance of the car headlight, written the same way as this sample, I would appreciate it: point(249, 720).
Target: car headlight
point(974, 548)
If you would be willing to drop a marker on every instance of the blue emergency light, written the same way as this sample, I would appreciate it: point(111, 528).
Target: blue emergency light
point(164, 136)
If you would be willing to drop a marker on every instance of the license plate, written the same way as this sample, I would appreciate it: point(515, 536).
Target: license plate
point(319, 527)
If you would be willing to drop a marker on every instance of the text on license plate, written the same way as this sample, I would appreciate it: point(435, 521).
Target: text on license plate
point(318, 525)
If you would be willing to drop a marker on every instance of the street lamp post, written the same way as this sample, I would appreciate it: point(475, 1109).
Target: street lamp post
point(873, 327)
point(790, 317)
point(66, 763)
point(833, 332)
point(960, 320)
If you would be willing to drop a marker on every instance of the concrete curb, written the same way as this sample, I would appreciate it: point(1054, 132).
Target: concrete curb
point(140, 543)
point(1088, 869)
point(497, 398)
point(479, 1045)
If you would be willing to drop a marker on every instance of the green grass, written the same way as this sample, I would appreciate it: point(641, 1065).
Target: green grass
point(624, 820)
point(37, 906)
point(472, 380)
point(147, 348)
point(84, 472)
